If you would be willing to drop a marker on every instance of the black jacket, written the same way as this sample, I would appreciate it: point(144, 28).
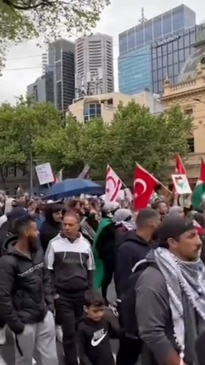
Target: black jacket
point(49, 228)
point(94, 342)
point(132, 250)
point(25, 287)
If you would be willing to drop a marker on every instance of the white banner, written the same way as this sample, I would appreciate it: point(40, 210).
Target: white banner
point(44, 173)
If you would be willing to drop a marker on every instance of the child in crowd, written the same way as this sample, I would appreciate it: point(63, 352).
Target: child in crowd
point(95, 331)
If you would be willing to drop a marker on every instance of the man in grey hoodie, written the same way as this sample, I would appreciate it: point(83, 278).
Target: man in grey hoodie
point(170, 296)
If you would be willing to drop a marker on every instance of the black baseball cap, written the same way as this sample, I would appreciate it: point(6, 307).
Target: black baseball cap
point(173, 227)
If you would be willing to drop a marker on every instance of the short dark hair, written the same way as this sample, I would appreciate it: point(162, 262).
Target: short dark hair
point(157, 203)
point(145, 216)
point(22, 223)
point(72, 214)
point(94, 298)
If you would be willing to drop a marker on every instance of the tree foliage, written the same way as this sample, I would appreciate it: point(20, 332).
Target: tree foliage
point(25, 19)
point(151, 140)
point(135, 135)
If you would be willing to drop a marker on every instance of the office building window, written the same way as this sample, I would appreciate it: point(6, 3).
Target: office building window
point(181, 43)
point(177, 21)
point(154, 65)
point(131, 39)
point(187, 40)
point(176, 69)
point(148, 32)
point(123, 43)
point(170, 59)
point(170, 47)
point(176, 57)
point(157, 28)
point(181, 55)
point(140, 38)
point(159, 62)
point(92, 111)
point(193, 37)
point(167, 24)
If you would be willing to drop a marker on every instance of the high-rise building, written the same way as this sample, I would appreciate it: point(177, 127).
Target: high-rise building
point(94, 65)
point(169, 55)
point(61, 63)
point(42, 89)
point(135, 46)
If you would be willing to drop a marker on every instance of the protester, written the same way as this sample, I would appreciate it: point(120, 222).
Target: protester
point(52, 223)
point(172, 290)
point(94, 333)
point(6, 231)
point(69, 256)
point(134, 248)
point(161, 207)
point(176, 210)
point(26, 296)
point(104, 249)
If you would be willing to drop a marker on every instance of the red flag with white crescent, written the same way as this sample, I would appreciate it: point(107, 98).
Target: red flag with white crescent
point(113, 185)
point(143, 187)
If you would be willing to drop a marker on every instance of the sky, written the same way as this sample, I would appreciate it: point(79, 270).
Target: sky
point(24, 64)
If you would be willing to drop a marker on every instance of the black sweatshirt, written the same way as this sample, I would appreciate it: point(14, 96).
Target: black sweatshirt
point(94, 342)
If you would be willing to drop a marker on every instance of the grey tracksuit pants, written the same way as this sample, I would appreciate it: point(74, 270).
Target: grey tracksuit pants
point(37, 341)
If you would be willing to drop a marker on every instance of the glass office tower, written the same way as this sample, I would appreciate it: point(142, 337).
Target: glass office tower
point(170, 55)
point(135, 46)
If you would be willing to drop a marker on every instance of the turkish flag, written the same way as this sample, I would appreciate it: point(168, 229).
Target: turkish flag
point(179, 166)
point(144, 185)
point(113, 185)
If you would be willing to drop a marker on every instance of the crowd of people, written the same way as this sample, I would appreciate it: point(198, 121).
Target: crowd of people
point(58, 261)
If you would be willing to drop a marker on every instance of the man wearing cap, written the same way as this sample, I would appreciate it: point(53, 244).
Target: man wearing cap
point(170, 296)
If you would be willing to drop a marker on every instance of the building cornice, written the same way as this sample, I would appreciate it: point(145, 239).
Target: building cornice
point(181, 93)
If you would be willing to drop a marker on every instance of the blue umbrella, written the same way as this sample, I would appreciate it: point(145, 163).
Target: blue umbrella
point(71, 187)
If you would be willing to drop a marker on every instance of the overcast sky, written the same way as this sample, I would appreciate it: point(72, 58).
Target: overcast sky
point(24, 65)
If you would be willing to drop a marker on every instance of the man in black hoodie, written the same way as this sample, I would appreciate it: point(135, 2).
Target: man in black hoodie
point(26, 296)
point(52, 223)
point(7, 231)
point(135, 246)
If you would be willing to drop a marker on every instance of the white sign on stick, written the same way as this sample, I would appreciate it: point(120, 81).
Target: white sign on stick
point(181, 184)
point(44, 173)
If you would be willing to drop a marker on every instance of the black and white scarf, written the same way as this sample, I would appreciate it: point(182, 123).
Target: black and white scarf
point(186, 276)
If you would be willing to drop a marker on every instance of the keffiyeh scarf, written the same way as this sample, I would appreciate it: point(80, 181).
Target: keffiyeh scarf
point(186, 276)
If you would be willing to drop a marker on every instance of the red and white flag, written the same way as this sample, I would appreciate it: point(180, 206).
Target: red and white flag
point(113, 185)
point(143, 187)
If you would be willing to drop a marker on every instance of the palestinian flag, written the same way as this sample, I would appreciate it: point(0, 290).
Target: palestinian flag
point(198, 196)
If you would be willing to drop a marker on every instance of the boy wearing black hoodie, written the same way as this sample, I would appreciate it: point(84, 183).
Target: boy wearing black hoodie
point(94, 333)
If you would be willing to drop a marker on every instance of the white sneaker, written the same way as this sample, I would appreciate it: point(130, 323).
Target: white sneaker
point(3, 335)
point(33, 362)
point(59, 333)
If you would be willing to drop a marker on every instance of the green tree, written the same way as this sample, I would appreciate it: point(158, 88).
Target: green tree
point(50, 19)
point(20, 128)
point(151, 140)
point(94, 146)
point(61, 144)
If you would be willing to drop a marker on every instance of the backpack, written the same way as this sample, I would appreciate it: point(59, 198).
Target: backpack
point(127, 306)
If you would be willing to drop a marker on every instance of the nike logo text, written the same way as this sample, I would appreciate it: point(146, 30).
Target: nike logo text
point(98, 337)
